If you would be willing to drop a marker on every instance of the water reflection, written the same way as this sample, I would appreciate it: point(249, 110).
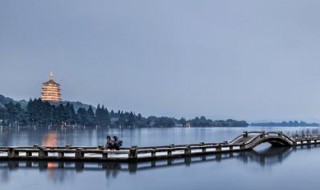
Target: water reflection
point(267, 157)
point(60, 171)
point(50, 139)
point(30, 137)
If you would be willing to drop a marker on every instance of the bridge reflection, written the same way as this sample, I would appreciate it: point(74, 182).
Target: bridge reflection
point(267, 157)
point(58, 171)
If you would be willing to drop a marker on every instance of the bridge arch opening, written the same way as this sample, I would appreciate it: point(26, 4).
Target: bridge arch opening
point(262, 146)
point(272, 142)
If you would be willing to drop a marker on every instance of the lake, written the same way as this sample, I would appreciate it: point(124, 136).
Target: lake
point(262, 168)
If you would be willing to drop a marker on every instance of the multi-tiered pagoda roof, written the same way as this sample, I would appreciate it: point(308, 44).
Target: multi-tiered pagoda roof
point(51, 90)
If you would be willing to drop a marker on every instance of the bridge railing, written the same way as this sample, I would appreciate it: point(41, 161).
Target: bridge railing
point(245, 134)
point(253, 140)
point(266, 135)
point(259, 132)
point(236, 139)
point(284, 136)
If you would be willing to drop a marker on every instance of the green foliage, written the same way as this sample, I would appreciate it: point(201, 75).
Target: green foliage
point(42, 113)
point(203, 122)
point(14, 115)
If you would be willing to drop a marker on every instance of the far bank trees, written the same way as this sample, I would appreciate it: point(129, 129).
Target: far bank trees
point(38, 113)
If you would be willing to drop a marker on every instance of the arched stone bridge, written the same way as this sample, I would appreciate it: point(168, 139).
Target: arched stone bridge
point(249, 140)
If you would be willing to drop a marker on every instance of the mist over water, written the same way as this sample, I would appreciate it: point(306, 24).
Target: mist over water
point(284, 167)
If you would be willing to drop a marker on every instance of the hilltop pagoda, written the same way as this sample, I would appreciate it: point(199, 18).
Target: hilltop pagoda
point(51, 90)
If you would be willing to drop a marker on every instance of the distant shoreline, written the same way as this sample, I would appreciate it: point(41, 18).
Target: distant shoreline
point(285, 124)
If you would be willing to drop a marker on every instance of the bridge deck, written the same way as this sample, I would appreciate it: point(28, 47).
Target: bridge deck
point(246, 141)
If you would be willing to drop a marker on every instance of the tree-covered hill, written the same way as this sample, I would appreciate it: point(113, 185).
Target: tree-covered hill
point(4, 100)
point(38, 113)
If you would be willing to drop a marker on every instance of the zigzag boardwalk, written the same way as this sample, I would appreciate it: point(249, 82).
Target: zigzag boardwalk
point(245, 141)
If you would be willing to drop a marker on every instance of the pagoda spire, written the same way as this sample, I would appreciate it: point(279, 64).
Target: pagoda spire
point(51, 75)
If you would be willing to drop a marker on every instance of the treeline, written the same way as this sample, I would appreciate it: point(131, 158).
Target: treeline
point(202, 121)
point(40, 113)
point(285, 124)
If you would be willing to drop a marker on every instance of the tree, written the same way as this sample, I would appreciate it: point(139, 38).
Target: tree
point(183, 121)
point(90, 117)
point(13, 113)
point(100, 119)
point(73, 115)
point(3, 115)
point(102, 116)
point(82, 116)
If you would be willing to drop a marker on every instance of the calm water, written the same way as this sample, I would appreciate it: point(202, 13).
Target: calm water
point(262, 168)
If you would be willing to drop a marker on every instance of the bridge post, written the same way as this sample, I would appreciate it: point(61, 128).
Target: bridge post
point(218, 148)
point(203, 147)
point(133, 153)
point(242, 146)
point(61, 154)
point(79, 153)
point(153, 153)
point(105, 154)
point(12, 153)
point(230, 148)
point(187, 151)
point(28, 154)
point(169, 153)
point(42, 153)
point(309, 141)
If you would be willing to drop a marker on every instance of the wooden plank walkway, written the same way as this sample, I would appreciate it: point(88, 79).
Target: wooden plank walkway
point(245, 141)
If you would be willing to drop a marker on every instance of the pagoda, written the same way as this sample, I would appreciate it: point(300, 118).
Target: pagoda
point(51, 90)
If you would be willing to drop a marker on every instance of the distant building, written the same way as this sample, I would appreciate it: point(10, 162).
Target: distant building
point(51, 90)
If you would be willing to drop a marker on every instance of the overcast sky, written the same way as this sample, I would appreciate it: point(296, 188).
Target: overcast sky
point(243, 59)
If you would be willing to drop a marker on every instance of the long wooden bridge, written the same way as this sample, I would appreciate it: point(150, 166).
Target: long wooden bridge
point(270, 157)
point(245, 141)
